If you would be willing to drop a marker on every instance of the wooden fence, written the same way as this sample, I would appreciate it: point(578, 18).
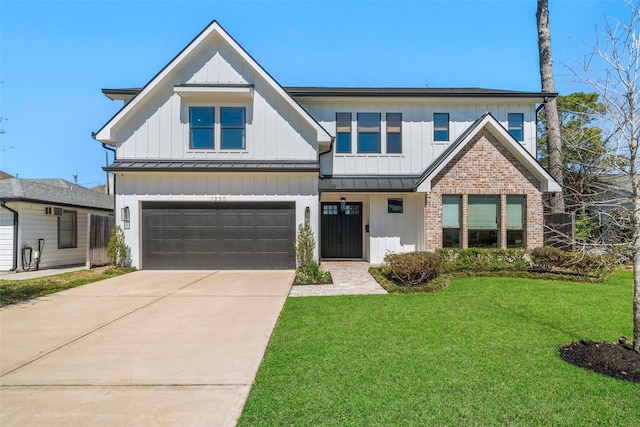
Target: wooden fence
point(560, 231)
point(98, 234)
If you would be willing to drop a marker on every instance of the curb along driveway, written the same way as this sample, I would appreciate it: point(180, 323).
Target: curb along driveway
point(146, 348)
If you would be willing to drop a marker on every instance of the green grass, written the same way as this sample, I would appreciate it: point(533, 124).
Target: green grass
point(14, 291)
point(482, 352)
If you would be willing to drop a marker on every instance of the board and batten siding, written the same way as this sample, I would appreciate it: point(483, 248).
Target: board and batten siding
point(388, 233)
point(395, 232)
point(419, 149)
point(135, 188)
point(159, 127)
point(6, 240)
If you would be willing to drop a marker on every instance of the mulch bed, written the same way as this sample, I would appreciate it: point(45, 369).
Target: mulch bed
point(615, 360)
point(329, 282)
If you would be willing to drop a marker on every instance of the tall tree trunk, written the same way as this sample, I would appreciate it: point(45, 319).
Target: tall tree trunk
point(635, 216)
point(551, 118)
point(636, 262)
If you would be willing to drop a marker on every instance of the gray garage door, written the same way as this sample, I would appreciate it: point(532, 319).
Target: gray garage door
point(234, 235)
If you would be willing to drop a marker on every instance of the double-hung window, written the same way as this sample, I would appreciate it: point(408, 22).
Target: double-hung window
point(483, 220)
point(368, 132)
point(516, 125)
point(515, 221)
point(343, 132)
point(202, 123)
point(394, 133)
point(451, 221)
point(440, 126)
point(68, 230)
point(232, 128)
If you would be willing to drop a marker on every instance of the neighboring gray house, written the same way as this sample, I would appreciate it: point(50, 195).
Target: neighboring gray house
point(613, 192)
point(52, 211)
point(613, 206)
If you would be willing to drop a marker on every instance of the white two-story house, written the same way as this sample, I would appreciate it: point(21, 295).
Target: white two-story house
point(217, 164)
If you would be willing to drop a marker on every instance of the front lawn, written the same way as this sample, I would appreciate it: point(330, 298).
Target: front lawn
point(14, 291)
point(482, 352)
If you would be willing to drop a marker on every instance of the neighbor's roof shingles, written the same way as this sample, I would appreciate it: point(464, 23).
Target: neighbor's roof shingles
point(53, 191)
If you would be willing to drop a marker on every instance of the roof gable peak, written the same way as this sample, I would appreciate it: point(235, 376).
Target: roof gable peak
point(489, 122)
point(106, 135)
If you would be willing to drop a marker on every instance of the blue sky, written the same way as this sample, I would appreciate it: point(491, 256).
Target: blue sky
point(56, 56)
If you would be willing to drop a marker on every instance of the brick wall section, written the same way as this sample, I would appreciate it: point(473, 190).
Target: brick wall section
point(484, 166)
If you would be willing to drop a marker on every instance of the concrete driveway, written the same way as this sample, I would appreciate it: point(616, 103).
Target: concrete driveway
point(146, 348)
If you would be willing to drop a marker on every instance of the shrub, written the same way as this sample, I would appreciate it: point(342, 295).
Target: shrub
point(412, 268)
point(312, 274)
point(589, 264)
point(545, 258)
point(476, 259)
point(305, 244)
point(438, 284)
point(118, 252)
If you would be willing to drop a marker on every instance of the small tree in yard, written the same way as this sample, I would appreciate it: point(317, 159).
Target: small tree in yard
point(305, 244)
point(613, 70)
point(117, 250)
point(308, 270)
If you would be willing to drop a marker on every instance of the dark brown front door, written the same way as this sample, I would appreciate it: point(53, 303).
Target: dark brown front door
point(341, 230)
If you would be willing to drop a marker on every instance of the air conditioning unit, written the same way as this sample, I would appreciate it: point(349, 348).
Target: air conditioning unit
point(50, 210)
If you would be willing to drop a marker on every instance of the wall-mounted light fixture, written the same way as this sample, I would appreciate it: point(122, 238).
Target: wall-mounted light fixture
point(307, 215)
point(124, 216)
point(343, 204)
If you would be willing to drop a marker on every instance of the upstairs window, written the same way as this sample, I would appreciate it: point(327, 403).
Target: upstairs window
point(232, 128)
point(201, 121)
point(394, 132)
point(368, 132)
point(516, 125)
point(68, 230)
point(440, 126)
point(343, 132)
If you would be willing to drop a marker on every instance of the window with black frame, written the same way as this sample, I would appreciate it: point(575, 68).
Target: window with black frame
point(394, 133)
point(202, 127)
point(440, 126)
point(395, 206)
point(515, 221)
point(343, 132)
point(451, 221)
point(232, 128)
point(368, 132)
point(483, 220)
point(515, 123)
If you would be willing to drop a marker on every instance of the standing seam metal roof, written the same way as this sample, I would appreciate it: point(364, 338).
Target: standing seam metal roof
point(132, 165)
